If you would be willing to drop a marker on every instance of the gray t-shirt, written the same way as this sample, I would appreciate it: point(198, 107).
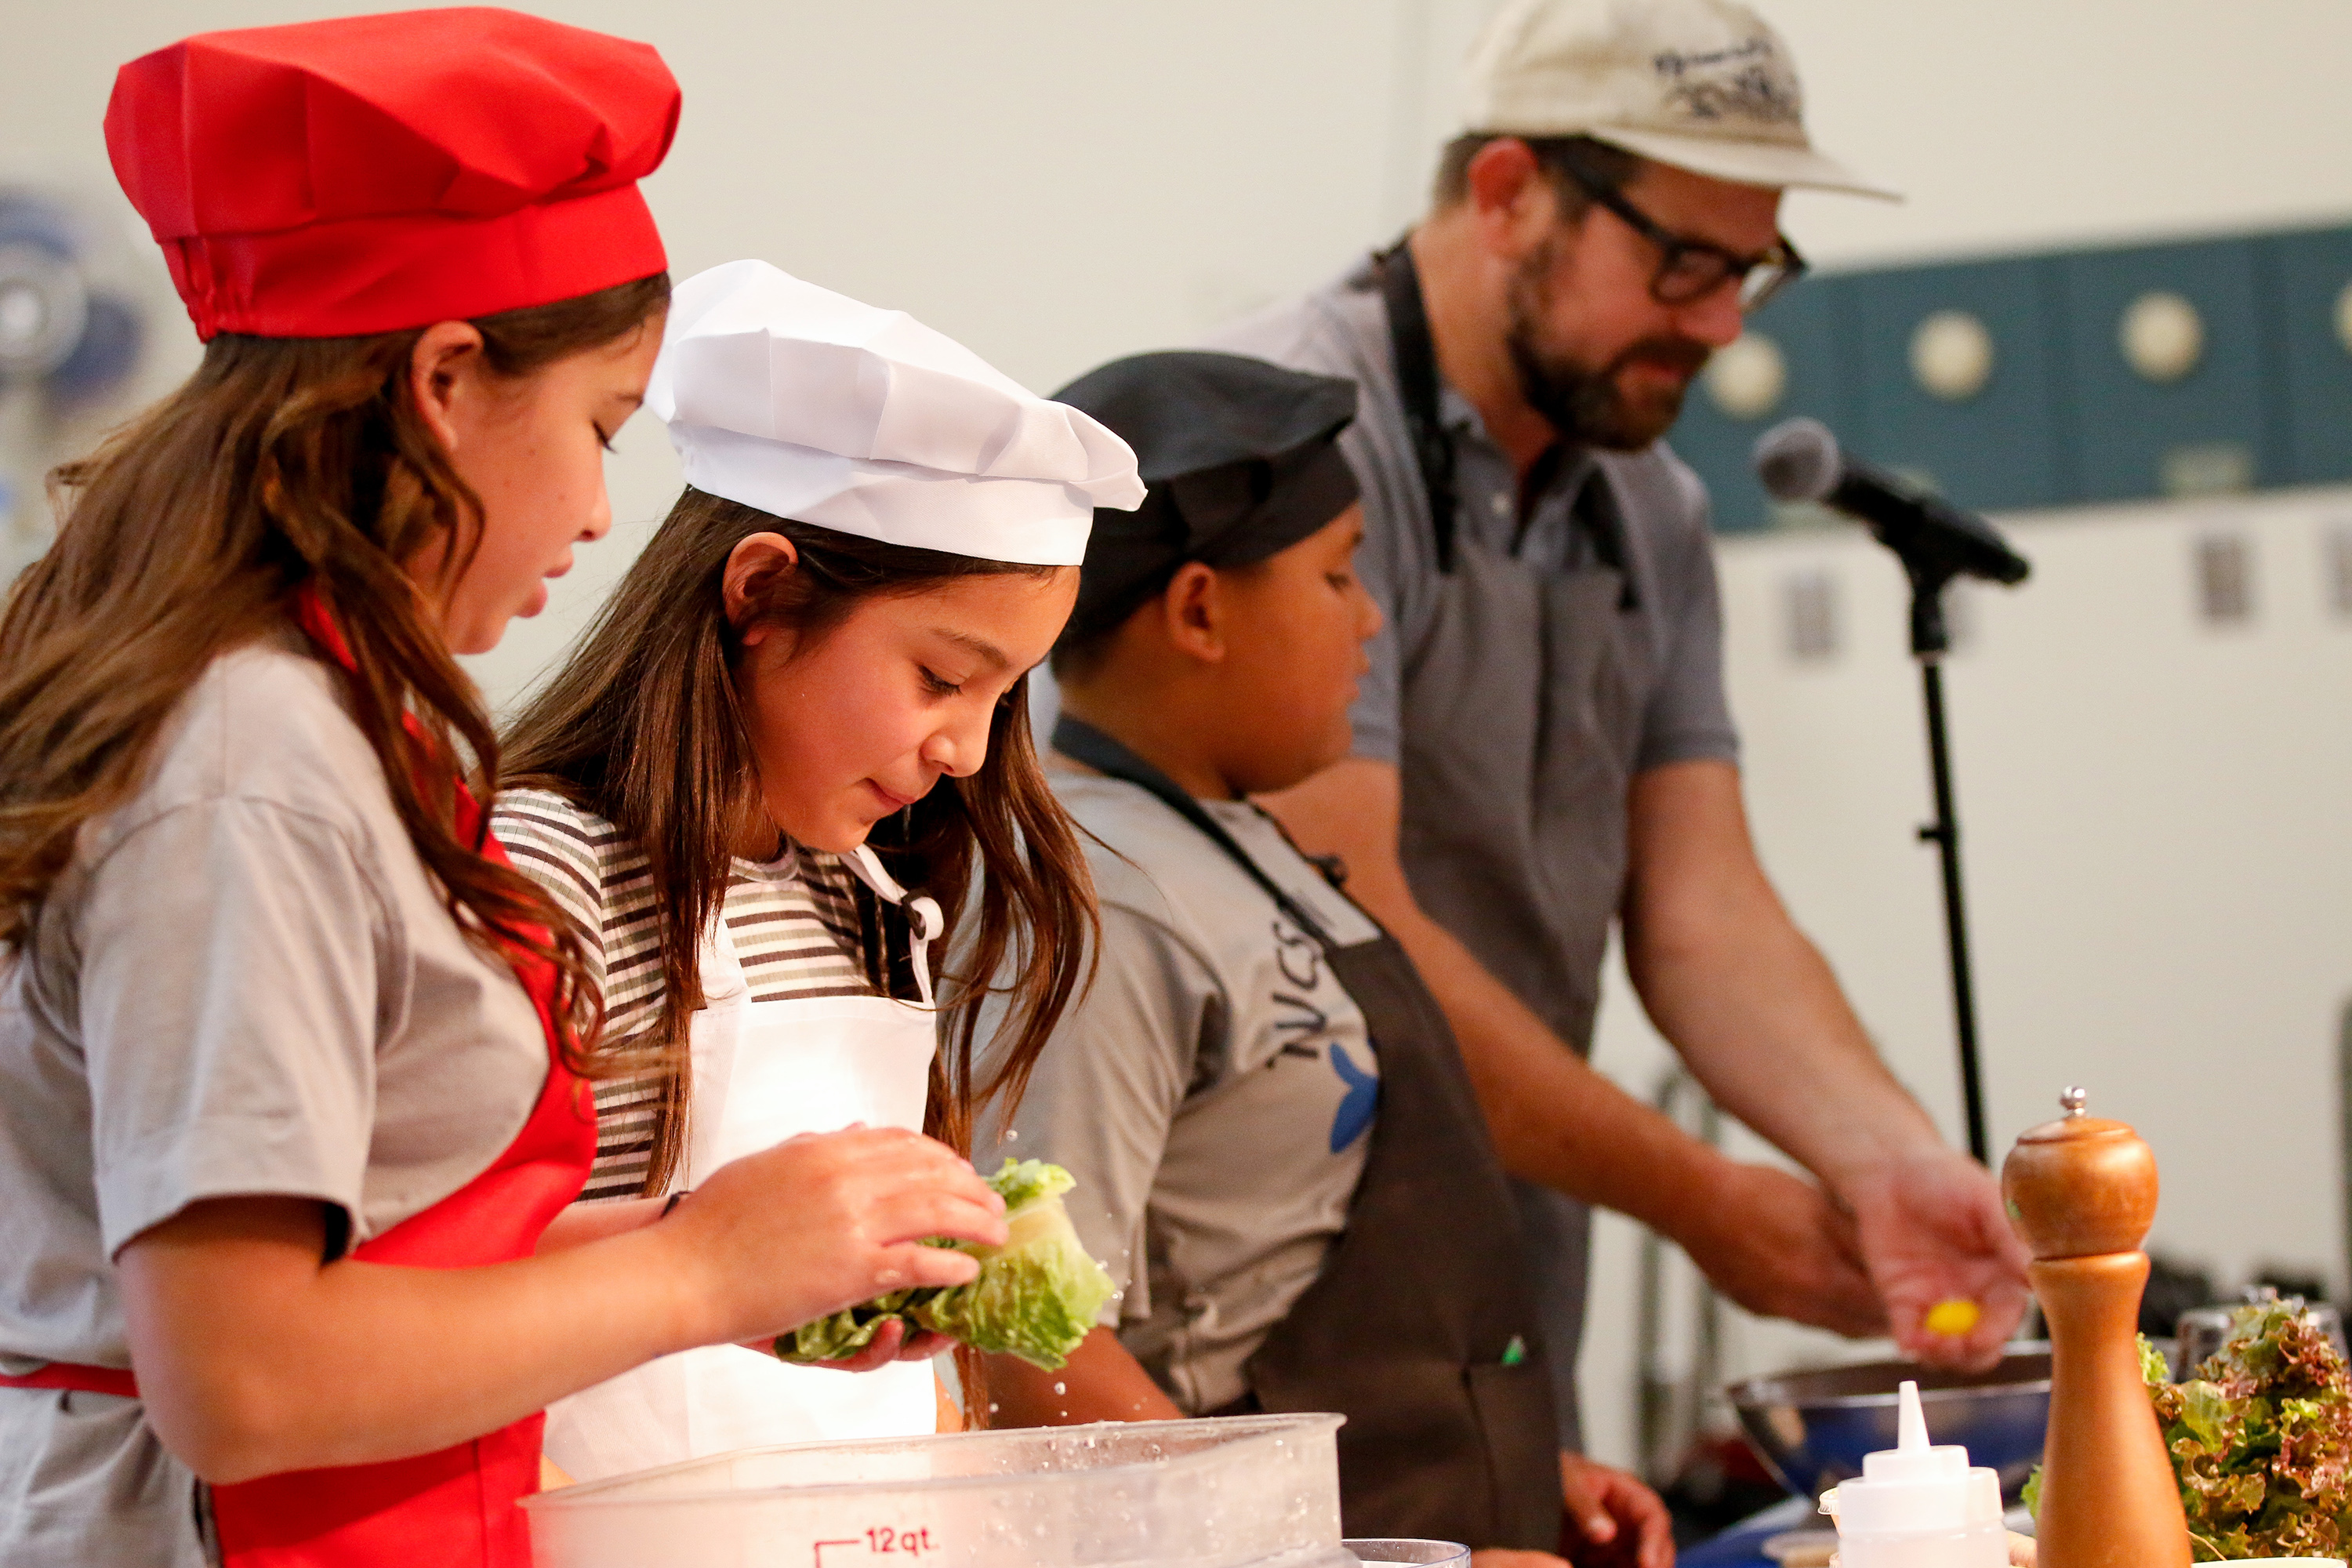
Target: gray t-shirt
point(1214, 1091)
point(1675, 630)
point(245, 984)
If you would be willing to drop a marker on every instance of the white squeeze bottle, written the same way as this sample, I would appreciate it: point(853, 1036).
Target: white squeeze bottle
point(1915, 1506)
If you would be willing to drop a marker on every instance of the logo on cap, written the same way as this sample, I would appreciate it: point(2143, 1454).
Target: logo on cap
point(1702, 85)
point(1750, 81)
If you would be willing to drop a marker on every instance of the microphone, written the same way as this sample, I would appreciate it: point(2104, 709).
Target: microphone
point(1798, 460)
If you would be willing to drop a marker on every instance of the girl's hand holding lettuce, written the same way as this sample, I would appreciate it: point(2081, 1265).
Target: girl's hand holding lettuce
point(1035, 1297)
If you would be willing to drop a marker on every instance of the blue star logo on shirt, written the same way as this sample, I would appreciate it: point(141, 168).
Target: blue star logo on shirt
point(1364, 1096)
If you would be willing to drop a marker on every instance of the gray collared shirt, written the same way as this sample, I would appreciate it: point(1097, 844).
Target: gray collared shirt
point(1676, 626)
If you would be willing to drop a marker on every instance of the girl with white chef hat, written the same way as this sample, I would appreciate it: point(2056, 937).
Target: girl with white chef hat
point(806, 696)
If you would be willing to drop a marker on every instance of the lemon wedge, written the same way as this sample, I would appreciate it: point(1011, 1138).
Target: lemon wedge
point(1954, 1317)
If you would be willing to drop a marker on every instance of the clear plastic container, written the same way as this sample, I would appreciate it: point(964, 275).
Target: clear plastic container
point(1427, 1553)
point(1252, 1491)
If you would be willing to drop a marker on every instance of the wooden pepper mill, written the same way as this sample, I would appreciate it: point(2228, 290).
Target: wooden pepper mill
point(2082, 1193)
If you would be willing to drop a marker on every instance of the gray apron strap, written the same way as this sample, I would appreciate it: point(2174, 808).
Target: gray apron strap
point(1414, 353)
point(1420, 1328)
point(1520, 726)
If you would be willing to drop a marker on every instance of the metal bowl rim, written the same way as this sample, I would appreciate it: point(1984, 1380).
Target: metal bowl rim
point(1742, 1399)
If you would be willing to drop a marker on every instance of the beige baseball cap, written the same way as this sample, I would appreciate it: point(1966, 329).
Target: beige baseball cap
point(1704, 84)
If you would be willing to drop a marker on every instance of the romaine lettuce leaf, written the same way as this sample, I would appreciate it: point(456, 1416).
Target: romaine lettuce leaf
point(1036, 1295)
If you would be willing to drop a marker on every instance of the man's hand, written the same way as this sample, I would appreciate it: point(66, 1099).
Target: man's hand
point(1753, 1008)
point(1613, 1518)
point(1781, 1247)
point(1933, 1229)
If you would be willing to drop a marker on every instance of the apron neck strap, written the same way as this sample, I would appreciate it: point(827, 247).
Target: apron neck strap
point(924, 921)
point(1414, 352)
point(1081, 742)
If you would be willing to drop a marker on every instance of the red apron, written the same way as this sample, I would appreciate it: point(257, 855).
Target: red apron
point(456, 1506)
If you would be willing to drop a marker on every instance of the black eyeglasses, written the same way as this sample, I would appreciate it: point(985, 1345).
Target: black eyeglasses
point(1691, 269)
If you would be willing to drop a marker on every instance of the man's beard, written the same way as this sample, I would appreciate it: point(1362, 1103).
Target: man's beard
point(1586, 406)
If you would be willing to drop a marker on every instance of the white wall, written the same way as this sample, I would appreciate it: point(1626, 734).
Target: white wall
point(1060, 181)
point(2154, 847)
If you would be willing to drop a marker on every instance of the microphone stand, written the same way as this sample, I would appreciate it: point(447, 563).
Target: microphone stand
point(1930, 640)
point(1935, 542)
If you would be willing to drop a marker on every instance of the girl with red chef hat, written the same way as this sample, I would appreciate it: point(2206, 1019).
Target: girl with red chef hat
point(290, 1055)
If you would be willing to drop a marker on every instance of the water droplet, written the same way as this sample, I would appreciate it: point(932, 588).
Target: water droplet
point(1062, 1388)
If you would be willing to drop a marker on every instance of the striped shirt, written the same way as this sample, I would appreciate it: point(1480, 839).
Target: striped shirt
point(795, 924)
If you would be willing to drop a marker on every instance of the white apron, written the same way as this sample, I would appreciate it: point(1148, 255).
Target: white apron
point(763, 1072)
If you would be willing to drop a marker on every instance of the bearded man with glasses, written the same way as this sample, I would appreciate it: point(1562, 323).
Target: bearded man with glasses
point(1542, 745)
point(1694, 285)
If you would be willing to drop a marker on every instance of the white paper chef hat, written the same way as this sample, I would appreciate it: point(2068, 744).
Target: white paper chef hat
point(807, 404)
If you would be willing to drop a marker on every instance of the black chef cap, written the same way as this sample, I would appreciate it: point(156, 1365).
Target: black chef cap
point(1239, 457)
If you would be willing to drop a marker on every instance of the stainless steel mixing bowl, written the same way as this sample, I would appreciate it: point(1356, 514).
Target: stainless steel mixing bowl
point(1813, 1428)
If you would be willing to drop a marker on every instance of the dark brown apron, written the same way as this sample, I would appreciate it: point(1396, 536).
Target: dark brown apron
point(1421, 1328)
point(1520, 726)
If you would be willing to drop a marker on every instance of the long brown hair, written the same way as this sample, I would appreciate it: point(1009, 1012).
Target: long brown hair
point(643, 727)
point(282, 465)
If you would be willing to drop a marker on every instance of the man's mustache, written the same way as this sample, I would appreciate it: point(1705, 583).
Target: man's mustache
point(1685, 355)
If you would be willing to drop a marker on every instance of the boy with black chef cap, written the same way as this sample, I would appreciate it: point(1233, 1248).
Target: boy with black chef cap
point(1277, 1150)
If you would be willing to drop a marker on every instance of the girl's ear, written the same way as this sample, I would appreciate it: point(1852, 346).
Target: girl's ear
point(443, 369)
point(751, 570)
point(1192, 612)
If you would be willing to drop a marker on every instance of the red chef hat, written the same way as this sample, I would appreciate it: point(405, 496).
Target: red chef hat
point(375, 173)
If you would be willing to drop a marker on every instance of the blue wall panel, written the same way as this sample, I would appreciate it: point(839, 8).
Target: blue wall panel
point(2005, 446)
point(2133, 438)
point(2065, 416)
point(2310, 272)
point(1805, 323)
